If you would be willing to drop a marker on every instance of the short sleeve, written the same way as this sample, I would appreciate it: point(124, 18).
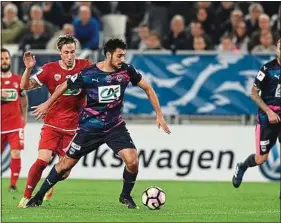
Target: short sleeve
point(75, 82)
point(135, 76)
point(260, 78)
point(41, 76)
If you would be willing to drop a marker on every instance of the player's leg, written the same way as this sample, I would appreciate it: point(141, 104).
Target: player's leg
point(82, 145)
point(15, 140)
point(55, 175)
point(48, 141)
point(119, 140)
point(266, 137)
point(64, 144)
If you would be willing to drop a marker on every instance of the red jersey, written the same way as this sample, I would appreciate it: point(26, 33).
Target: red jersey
point(63, 114)
point(11, 111)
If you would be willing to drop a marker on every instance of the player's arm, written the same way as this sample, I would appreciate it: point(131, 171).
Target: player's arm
point(26, 83)
point(74, 82)
point(24, 106)
point(155, 103)
point(41, 110)
point(272, 116)
point(255, 96)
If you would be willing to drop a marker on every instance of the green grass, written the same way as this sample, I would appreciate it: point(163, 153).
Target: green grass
point(97, 201)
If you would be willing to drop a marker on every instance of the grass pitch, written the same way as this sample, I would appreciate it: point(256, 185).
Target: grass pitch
point(97, 201)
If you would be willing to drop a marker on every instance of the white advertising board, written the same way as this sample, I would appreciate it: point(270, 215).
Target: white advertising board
point(195, 152)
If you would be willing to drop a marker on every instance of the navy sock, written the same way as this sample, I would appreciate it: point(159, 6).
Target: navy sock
point(49, 182)
point(250, 161)
point(128, 182)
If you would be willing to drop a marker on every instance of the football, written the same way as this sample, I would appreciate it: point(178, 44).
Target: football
point(153, 197)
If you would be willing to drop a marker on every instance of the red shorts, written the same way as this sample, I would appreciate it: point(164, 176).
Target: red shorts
point(55, 139)
point(15, 140)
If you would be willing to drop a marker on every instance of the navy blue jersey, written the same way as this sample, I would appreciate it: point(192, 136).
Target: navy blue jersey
point(269, 82)
point(105, 93)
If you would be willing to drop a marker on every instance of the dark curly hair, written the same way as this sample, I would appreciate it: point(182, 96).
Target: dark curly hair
point(112, 44)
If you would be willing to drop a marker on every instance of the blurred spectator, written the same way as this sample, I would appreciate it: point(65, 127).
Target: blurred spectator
point(176, 38)
point(12, 27)
point(36, 13)
point(185, 9)
point(36, 38)
point(226, 45)
point(196, 30)
point(67, 29)
point(264, 27)
point(224, 11)
point(55, 14)
point(207, 23)
point(199, 44)
point(143, 34)
point(153, 41)
point(255, 10)
point(209, 6)
point(229, 26)
point(240, 37)
point(266, 46)
point(87, 29)
point(94, 11)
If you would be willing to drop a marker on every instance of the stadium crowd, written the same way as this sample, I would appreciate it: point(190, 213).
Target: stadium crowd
point(199, 26)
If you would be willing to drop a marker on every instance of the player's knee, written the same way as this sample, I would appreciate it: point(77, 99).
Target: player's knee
point(66, 174)
point(15, 154)
point(260, 159)
point(133, 165)
point(45, 155)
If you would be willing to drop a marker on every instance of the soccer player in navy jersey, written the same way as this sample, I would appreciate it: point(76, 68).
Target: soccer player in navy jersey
point(100, 120)
point(266, 93)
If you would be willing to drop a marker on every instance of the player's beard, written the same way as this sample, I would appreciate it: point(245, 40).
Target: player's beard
point(5, 68)
point(114, 66)
point(69, 64)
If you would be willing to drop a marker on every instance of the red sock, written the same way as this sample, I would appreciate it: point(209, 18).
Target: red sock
point(15, 166)
point(34, 175)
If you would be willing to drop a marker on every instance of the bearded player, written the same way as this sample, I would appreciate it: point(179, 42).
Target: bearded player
point(13, 116)
point(61, 122)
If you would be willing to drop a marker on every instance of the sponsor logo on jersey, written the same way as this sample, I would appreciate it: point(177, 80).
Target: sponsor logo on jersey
point(260, 76)
point(75, 146)
point(12, 94)
point(7, 82)
point(108, 78)
point(109, 94)
point(69, 92)
point(57, 77)
point(271, 167)
point(119, 78)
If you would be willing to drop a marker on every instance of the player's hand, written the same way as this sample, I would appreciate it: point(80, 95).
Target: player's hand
point(29, 60)
point(273, 117)
point(40, 110)
point(161, 123)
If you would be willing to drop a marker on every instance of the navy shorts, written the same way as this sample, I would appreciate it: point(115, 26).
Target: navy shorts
point(266, 137)
point(85, 142)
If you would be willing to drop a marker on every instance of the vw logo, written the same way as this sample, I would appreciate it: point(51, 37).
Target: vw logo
point(271, 168)
point(5, 159)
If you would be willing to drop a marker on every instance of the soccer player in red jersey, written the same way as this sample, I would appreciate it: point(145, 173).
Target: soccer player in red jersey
point(13, 116)
point(61, 122)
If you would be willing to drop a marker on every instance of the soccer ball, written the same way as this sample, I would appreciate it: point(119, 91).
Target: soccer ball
point(153, 197)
